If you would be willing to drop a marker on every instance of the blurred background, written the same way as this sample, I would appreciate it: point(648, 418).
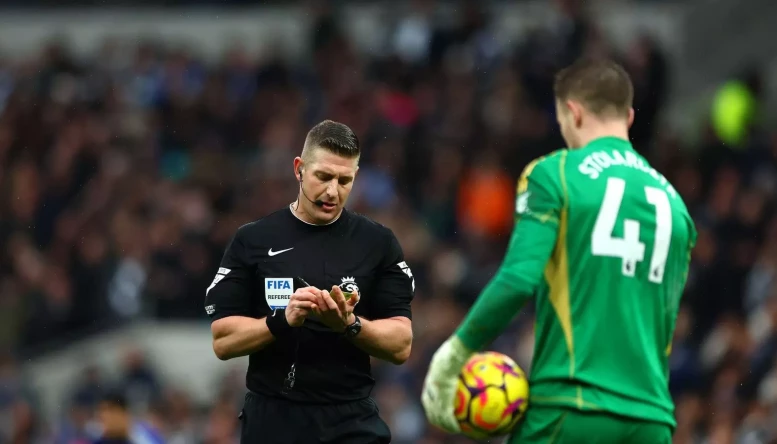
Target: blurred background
point(136, 136)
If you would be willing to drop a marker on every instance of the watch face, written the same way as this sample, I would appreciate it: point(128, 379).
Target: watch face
point(354, 329)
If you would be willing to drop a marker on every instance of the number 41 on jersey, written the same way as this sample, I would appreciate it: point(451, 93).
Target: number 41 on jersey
point(629, 248)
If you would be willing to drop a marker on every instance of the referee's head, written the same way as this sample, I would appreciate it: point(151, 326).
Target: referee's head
point(326, 170)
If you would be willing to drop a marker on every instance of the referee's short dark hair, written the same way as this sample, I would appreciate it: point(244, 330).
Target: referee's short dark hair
point(335, 137)
point(601, 85)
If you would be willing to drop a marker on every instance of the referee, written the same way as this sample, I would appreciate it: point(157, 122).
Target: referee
point(279, 296)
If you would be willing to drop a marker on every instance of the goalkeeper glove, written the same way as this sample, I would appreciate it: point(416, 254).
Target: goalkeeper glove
point(441, 381)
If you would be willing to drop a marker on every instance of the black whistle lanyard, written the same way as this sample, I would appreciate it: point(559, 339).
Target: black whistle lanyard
point(288, 383)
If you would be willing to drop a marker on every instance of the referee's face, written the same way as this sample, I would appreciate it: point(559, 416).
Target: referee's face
point(327, 179)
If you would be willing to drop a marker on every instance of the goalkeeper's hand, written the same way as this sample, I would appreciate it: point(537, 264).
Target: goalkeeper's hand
point(441, 382)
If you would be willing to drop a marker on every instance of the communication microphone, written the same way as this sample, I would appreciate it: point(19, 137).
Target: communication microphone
point(317, 202)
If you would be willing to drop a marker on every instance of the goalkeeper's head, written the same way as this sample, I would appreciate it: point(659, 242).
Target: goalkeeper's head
point(593, 99)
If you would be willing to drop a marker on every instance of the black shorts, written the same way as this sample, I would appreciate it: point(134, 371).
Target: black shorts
point(266, 420)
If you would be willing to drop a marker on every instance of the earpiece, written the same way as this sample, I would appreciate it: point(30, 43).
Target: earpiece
point(317, 202)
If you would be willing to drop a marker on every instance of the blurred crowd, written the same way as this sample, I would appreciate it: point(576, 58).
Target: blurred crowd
point(124, 176)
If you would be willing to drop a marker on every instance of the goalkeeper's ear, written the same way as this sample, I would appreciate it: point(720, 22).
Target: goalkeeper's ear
point(631, 117)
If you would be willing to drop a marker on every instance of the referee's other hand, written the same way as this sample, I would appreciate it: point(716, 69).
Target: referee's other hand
point(301, 303)
point(335, 312)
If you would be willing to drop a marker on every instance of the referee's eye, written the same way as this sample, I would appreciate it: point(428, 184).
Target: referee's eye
point(324, 177)
point(341, 180)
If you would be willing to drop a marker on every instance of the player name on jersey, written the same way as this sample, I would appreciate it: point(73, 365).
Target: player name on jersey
point(595, 163)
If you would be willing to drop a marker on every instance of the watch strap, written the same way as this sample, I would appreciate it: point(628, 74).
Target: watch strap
point(353, 329)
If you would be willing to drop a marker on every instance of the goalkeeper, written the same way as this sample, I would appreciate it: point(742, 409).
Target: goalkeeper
point(603, 241)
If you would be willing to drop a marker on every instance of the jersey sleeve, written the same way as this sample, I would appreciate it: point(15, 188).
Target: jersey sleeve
point(230, 292)
point(395, 284)
point(539, 203)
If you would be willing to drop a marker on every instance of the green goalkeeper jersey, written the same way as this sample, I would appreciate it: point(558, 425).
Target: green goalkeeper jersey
point(602, 241)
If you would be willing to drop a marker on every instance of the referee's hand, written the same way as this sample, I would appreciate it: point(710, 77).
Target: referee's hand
point(335, 312)
point(301, 304)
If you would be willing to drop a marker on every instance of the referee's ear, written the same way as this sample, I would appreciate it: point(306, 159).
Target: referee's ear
point(298, 168)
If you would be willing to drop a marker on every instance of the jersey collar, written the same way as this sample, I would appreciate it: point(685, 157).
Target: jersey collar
point(339, 216)
point(610, 139)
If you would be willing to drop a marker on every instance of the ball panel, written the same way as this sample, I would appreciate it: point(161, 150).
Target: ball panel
point(516, 388)
point(463, 396)
point(499, 357)
point(487, 409)
point(482, 372)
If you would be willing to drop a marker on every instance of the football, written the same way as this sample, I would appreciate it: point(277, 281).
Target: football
point(492, 396)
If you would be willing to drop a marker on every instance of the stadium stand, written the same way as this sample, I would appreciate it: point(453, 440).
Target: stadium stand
point(124, 174)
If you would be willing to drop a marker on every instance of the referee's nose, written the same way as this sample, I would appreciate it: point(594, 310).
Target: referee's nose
point(331, 189)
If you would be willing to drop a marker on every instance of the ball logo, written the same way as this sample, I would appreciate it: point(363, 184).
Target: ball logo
point(349, 284)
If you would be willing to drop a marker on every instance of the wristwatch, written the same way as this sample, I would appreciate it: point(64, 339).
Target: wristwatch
point(353, 329)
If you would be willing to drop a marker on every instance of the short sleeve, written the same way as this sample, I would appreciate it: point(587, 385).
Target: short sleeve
point(394, 285)
point(230, 292)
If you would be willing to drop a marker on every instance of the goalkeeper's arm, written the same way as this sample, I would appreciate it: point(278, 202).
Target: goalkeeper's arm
point(539, 207)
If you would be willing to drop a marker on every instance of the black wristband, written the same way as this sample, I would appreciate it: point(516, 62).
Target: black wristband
point(277, 323)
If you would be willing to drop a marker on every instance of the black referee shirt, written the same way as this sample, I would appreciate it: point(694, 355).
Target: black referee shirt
point(262, 262)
